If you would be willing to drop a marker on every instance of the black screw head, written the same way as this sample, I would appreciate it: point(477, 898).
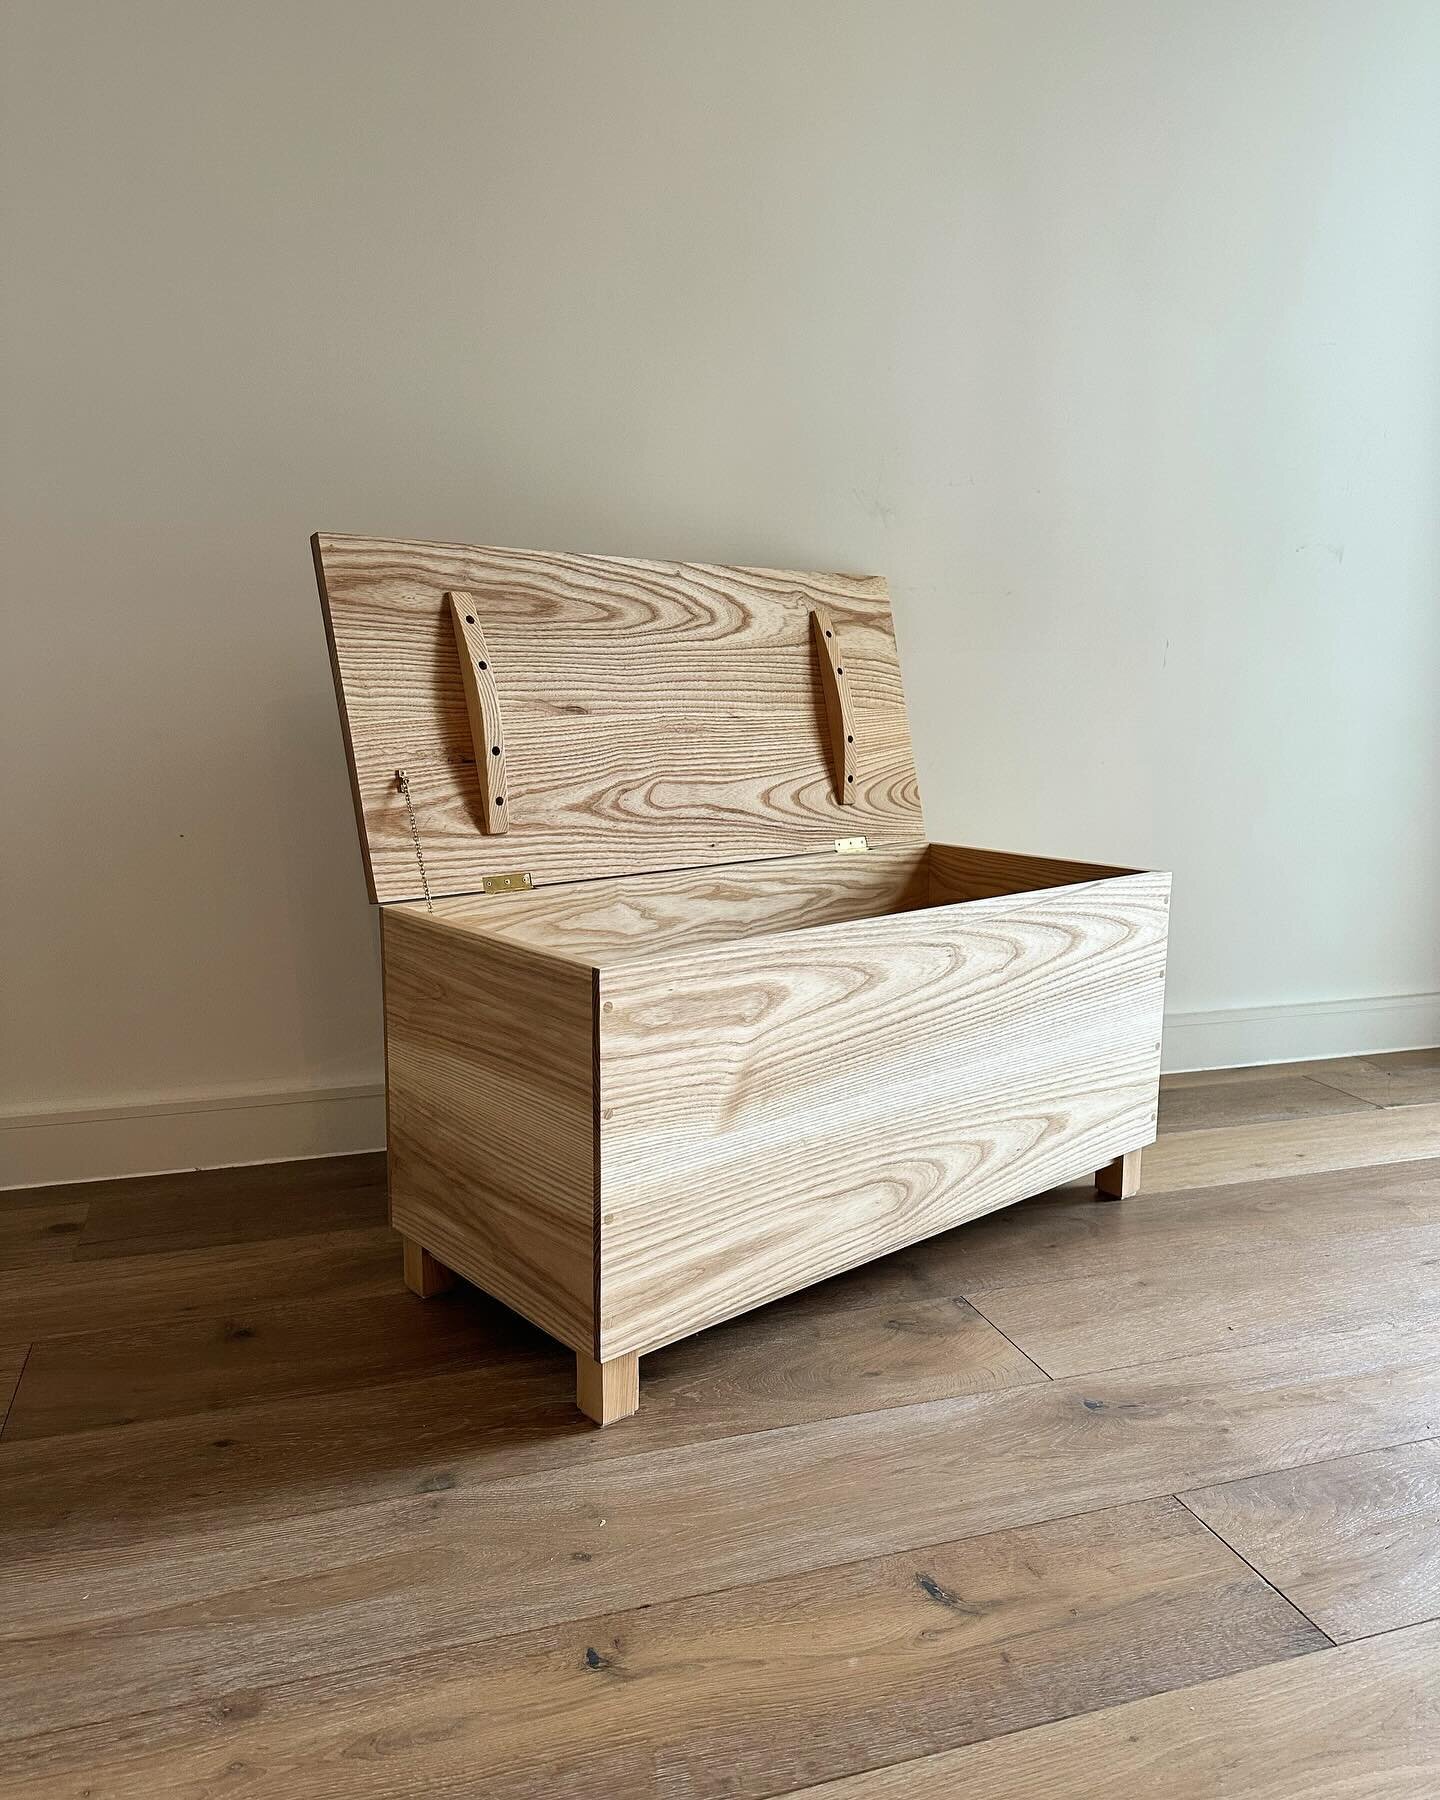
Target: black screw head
point(482, 665)
point(499, 799)
point(494, 749)
point(469, 618)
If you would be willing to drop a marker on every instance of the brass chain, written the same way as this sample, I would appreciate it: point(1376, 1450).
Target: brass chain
point(402, 781)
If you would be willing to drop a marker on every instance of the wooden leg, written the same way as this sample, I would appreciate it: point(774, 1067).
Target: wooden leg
point(423, 1275)
point(1119, 1180)
point(607, 1391)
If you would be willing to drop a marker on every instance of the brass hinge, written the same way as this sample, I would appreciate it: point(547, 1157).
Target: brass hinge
point(511, 883)
point(851, 846)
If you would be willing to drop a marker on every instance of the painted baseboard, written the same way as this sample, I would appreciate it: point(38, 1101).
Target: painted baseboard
point(231, 1126)
point(219, 1129)
point(1240, 1037)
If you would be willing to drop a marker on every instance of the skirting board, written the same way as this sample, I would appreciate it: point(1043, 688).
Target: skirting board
point(1241, 1037)
point(229, 1127)
point(194, 1131)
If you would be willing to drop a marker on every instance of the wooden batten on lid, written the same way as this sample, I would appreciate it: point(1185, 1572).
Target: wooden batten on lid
point(514, 713)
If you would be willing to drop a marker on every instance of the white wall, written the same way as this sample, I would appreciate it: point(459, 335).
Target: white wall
point(1109, 329)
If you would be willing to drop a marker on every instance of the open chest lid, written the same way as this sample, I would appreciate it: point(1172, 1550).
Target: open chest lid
point(514, 717)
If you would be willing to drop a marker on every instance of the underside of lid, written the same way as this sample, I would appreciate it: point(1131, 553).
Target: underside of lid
point(578, 716)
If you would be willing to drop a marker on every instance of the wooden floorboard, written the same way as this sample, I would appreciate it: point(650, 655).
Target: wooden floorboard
point(460, 1391)
point(232, 1206)
point(42, 1233)
point(742, 1692)
point(1357, 1723)
point(1066, 1502)
point(1224, 1296)
point(1192, 1106)
point(1354, 1543)
point(1358, 1140)
point(12, 1362)
point(189, 1614)
point(1404, 1078)
point(86, 1381)
point(56, 1301)
point(1065, 1236)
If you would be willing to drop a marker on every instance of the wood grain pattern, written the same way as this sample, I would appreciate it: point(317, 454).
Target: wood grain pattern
point(482, 707)
point(1402, 1078)
point(56, 1299)
point(603, 924)
point(248, 1353)
point(1355, 1544)
point(12, 1361)
point(775, 1110)
point(1252, 1097)
point(657, 715)
point(739, 1693)
point(961, 872)
point(1107, 1321)
point(608, 1391)
point(1360, 1721)
point(199, 1615)
point(839, 718)
point(1389, 1214)
point(41, 1234)
point(424, 1276)
point(1191, 1159)
point(490, 1067)
point(206, 1208)
point(342, 1403)
point(1120, 1180)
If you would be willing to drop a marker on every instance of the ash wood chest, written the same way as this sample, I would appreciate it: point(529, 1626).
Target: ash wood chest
point(682, 1009)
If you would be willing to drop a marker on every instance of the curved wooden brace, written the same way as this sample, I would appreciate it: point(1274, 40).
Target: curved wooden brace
point(837, 705)
point(482, 702)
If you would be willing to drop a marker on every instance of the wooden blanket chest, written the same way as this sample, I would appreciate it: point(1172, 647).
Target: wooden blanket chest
point(682, 1010)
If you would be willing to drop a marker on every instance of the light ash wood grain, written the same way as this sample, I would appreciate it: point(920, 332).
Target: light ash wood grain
point(1354, 1544)
point(424, 1276)
point(608, 1391)
point(490, 1060)
point(1120, 1180)
point(1358, 1723)
point(776, 1110)
point(483, 709)
point(657, 715)
point(963, 872)
point(602, 924)
point(197, 1615)
point(743, 1692)
point(839, 717)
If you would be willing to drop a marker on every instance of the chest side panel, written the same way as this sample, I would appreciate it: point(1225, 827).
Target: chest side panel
point(655, 715)
point(774, 1112)
point(490, 1088)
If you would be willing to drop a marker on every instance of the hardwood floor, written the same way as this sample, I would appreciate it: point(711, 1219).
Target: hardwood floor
point(1080, 1499)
